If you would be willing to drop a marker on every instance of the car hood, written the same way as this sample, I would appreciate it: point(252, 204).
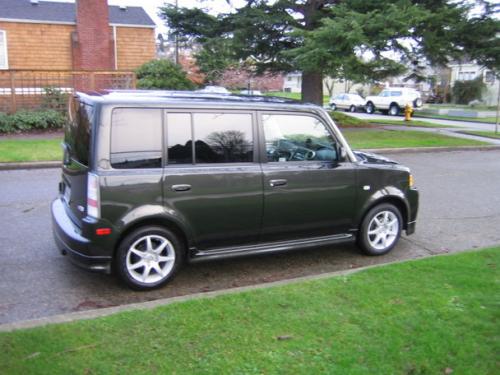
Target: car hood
point(368, 157)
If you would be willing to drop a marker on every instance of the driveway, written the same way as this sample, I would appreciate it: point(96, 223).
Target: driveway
point(460, 209)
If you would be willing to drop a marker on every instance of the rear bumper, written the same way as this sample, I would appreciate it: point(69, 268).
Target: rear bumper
point(70, 242)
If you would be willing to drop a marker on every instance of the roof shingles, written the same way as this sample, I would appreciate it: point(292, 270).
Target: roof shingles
point(49, 11)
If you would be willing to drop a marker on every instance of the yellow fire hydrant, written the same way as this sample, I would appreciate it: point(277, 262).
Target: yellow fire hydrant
point(408, 112)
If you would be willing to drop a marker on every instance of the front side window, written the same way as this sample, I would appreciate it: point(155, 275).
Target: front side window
point(223, 137)
point(385, 93)
point(136, 138)
point(297, 138)
point(4, 63)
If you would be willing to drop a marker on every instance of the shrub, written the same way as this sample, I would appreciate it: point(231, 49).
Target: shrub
point(464, 92)
point(31, 120)
point(162, 74)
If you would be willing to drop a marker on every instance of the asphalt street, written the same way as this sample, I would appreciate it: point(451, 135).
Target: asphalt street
point(460, 209)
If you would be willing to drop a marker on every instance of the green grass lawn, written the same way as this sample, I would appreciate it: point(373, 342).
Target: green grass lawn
point(360, 139)
point(345, 121)
point(22, 150)
point(428, 316)
point(422, 124)
point(487, 120)
point(483, 133)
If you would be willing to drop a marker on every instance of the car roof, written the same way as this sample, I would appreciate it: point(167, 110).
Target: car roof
point(191, 99)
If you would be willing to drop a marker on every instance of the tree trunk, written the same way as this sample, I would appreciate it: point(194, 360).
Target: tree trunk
point(312, 88)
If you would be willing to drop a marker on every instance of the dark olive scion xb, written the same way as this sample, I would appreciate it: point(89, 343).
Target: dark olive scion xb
point(153, 178)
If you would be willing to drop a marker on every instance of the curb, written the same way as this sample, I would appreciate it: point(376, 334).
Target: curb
point(103, 312)
point(419, 150)
point(30, 165)
point(408, 150)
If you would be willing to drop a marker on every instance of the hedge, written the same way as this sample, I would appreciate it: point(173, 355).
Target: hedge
point(24, 121)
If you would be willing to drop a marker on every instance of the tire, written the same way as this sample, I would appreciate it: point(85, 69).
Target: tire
point(333, 107)
point(394, 110)
point(377, 236)
point(370, 108)
point(162, 265)
point(352, 109)
point(417, 103)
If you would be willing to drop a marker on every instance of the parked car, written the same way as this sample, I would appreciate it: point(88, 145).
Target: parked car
point(348, 102)
point(393, 100)
point(250, 92)
point(215, 90)
point(151, 179)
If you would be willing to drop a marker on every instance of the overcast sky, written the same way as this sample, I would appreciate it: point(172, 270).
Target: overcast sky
point(151, 6)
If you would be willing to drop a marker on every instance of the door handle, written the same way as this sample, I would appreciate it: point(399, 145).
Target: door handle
point(182, 187)
point(274, 183)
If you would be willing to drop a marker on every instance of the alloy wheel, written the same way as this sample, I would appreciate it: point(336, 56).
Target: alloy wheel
point(383, 230)
point(150, 259)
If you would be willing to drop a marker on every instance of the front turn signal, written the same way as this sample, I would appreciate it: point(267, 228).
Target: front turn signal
point(410, 180)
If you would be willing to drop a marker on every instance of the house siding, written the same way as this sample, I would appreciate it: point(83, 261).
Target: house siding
point(41, 46)
point(38, 46)
point(135, 46)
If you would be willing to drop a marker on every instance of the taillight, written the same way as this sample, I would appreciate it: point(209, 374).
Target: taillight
point(93, 204)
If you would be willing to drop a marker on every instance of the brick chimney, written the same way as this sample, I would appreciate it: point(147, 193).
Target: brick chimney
point(92, 42)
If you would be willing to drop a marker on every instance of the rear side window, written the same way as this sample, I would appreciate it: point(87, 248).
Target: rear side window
point(78, 130)
point(223, 137)
point(217, 138)
point(136, 138)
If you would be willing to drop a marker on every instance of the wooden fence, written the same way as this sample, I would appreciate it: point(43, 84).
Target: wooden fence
point(33, 89)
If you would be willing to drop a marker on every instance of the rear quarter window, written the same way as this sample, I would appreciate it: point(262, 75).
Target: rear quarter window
point(136, 138)
point(78, 130)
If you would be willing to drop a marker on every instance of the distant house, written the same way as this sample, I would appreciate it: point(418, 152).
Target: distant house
point(469, 70)
point(86, 35)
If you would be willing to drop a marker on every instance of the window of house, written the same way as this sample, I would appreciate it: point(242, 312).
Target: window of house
point(136, 138)
point(489, 77)
point(4, 63)
point(297, 138)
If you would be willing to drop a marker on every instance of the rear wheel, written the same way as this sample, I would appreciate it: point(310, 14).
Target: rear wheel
point(370, 108)
point(149, 257)
point(333, 107)
point(394, 110)
point(380, 230)
point(352, 108)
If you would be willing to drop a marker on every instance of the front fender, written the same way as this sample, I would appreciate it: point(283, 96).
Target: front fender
point(383, 195)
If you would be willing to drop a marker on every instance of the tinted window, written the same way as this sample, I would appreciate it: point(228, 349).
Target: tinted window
point(297, 138)
point(78, 130)
point(395, 93)
point(179, 138)
point(223, 137)
point(136, 138)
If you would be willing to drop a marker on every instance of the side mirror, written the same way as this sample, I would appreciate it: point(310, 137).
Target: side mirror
point(341, 153)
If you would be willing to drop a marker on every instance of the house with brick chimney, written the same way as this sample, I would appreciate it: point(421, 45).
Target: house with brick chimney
point(87, 35)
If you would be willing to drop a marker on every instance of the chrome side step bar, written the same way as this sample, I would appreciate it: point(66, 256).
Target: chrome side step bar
point(269, 247)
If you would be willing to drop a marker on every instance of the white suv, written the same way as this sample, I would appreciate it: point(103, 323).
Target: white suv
point(392, 100)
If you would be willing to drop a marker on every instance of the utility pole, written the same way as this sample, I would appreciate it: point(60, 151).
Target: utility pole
point(176, 38)
point(498, 106)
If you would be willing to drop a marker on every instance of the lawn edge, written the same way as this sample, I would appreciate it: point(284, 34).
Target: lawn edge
point(148, 305)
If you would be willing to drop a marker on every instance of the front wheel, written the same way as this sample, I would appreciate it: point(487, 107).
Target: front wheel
point(380, 229)
point(333, 107)
point(148, 257)
point(352, 109)
point(370, 108)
